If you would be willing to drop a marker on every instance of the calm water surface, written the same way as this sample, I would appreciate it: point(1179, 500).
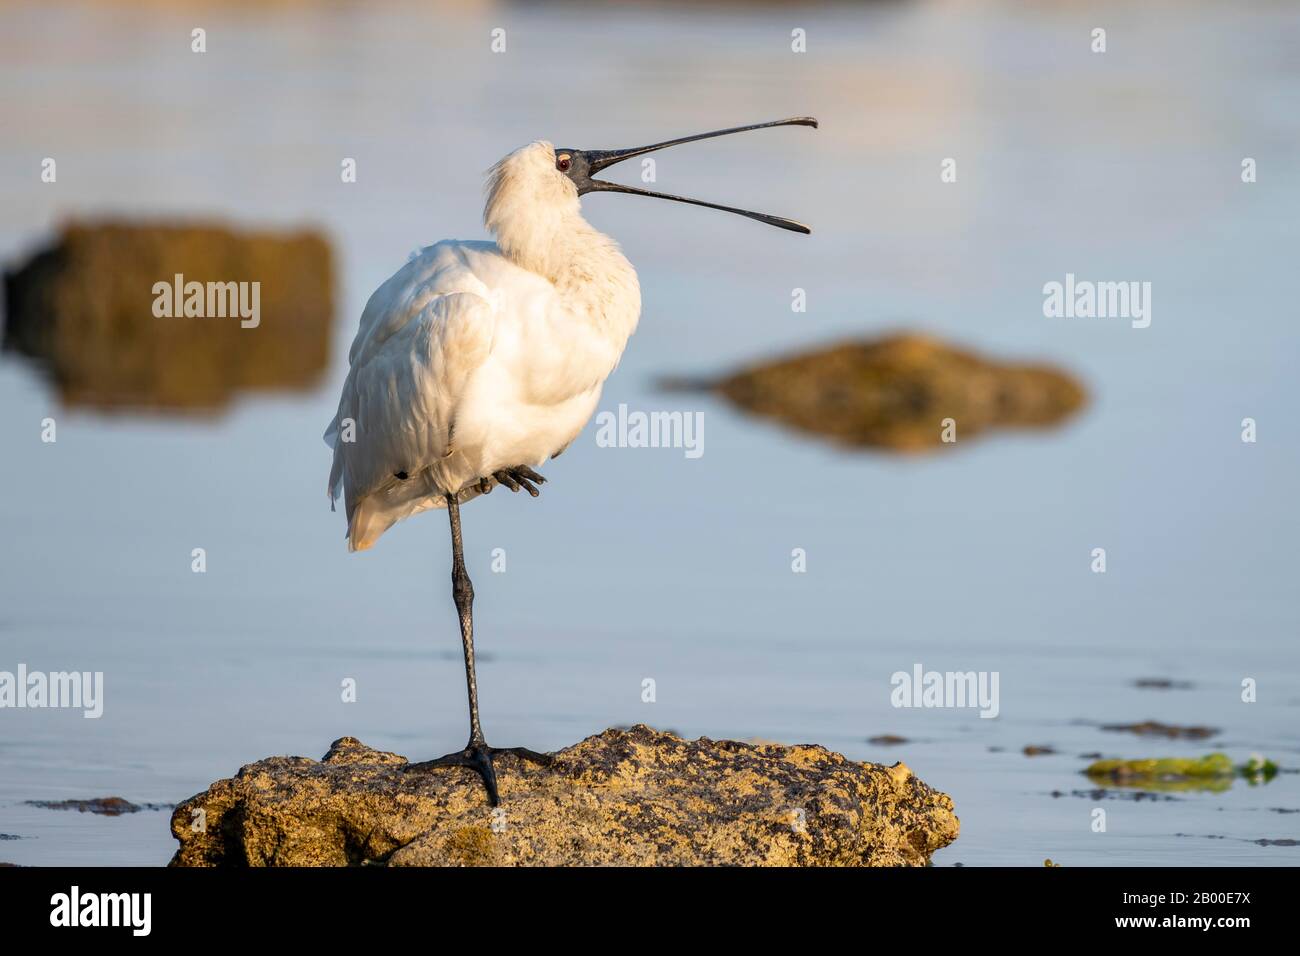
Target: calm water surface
point(644, 563)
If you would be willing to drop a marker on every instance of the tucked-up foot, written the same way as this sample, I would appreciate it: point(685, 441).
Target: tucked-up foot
point(478, 757)
point(520, 476)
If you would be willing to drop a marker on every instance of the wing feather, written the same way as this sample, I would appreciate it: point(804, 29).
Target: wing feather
point(411, 361)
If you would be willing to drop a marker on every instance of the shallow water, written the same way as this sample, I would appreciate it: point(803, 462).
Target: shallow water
point(644, 563)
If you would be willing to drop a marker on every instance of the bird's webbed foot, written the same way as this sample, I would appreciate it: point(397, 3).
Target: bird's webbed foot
point(520, 476)
point(477, 756)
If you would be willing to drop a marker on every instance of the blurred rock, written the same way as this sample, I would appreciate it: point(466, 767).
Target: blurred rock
point(104, 806)
point(85, 309)
point(895, 392)
point(887, 740)
point(623, 797)
point(1162, 683)
point(1154, 728)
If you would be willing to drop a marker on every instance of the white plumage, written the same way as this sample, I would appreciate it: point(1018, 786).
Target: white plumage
point(480, 356)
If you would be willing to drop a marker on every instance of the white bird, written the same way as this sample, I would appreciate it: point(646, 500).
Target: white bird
point(477, 361)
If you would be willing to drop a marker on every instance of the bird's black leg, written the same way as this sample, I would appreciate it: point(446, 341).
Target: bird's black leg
point(477, 755)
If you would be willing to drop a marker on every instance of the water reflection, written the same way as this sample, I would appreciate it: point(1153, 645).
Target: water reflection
point(172, 316)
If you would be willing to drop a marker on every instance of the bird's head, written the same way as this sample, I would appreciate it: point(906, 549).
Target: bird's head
point(526, 184)
point(539, 182)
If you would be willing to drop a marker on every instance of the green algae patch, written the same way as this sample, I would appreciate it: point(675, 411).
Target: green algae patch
point(1213, 772)
point(1258, 769)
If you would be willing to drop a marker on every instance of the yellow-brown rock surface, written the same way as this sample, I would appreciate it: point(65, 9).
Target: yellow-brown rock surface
point(623, 797)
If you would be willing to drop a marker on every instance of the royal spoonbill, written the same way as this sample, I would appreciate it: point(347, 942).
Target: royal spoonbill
point(478, 361)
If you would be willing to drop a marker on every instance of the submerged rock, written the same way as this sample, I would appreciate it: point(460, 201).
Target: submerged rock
point(1162, 683)
point(623, 797)
point(896, 392)
point(172, 316)
point(1101, 793)
point(1154, 728)
point(104, 806)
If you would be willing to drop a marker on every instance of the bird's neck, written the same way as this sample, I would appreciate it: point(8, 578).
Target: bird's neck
point(585, 266)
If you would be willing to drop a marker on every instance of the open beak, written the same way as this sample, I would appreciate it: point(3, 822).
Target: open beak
point(598, 159)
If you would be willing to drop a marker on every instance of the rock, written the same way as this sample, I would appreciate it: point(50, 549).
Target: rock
point(104, 806)
point(894, 393)
point(1153, 728)
point(84, 311)
point(624, 797)
point(1101, 793)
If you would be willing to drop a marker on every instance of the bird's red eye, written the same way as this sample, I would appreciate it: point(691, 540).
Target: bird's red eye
point(562, 164)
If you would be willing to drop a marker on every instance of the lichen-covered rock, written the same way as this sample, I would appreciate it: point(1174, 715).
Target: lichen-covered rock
point(896, 393)
point(623, 797)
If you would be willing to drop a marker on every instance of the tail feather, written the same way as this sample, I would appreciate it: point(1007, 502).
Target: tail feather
point(376, 513)
point(364, 529)
point(335, 486)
